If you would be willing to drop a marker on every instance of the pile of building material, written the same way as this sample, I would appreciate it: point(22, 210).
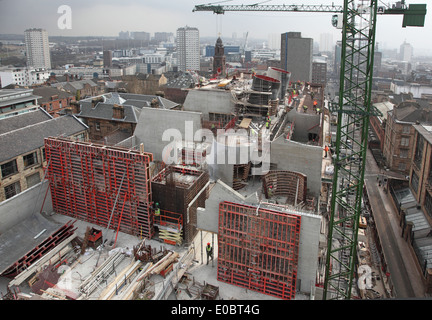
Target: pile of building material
point(55, 255)
point(90, 284)
point(132, 281)
point(189, 288)
point(120, 286)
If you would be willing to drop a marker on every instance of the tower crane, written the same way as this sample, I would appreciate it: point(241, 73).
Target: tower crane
point(357, 20)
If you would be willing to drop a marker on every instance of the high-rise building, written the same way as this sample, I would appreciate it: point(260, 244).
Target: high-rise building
point(326, 42)
point(164, 36)
point(141, 35)
point(107, 58)
point(124, 35)
point(406, 52)
point(37, 48)
point(319, 70)
point(219, 60)
point(296, 56)
point(188, 49)
point(274, 41)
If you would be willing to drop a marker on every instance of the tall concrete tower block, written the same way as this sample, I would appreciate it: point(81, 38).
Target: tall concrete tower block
point(37, 48)
point(406, 52)
point(296, 56)
point(107, 58)
point(188, 49)
point(219, 59)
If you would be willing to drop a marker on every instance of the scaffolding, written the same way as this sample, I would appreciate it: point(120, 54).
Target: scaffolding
point(181, 190)
point(107, 186)
point(258, 249)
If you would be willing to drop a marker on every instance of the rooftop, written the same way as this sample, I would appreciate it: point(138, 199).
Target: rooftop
point(26, 139)
point(132, 105)
point(23, 120)
point(15, 96)
point(46, 93)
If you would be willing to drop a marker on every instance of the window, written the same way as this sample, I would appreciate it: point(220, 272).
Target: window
point(97, 125)
point(418, 153)
point(405, 142)
point(403, 154)
point(428, 204)
point(30, 159)
point(33, 179)
point(80, 137)
point(406, 129)
point(414, 181)
point(9, 168)
point(402, 166)
point(12, 189)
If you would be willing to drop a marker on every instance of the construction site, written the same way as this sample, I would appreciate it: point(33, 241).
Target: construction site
point(248, 172)
point(116, 222)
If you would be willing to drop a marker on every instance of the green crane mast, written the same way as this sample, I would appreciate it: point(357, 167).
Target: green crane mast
point(357, 20)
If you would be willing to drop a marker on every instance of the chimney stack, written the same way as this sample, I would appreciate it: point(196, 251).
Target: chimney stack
point(118, 111)
point(75, 106)
point(68, 111)
point(154, 103)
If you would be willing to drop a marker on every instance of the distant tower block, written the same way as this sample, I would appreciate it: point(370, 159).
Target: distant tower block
point(219, 60)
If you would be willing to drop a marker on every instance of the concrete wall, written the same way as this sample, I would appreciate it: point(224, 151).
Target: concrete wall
point(208, 217)
point(303, 123)
point(416, 89)
point(154, 122)
point(308, 251)
point(208, 220)
point(294, 156)
point(206, 100)
point(20, 207)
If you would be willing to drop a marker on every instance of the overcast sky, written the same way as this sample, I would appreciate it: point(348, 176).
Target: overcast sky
point(109, 17)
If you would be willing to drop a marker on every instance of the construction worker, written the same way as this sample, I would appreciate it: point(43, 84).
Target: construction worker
point(209, 251)
point(267, 124)
point(157, 209)
point(326, 149)
point(270, 192)
point(305, 107)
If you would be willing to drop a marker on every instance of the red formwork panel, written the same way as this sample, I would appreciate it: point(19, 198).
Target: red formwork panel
point(258, 249)
point(107, 186)
point(40, 250)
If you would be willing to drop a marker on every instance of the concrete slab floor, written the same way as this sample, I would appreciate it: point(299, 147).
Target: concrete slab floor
point(198, 270)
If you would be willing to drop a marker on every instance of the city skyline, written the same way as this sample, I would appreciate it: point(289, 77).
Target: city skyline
point(108, 18)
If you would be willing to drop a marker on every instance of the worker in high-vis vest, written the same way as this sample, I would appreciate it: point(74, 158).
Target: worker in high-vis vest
point(157, 209)
point(270, 192)
point(209, 251)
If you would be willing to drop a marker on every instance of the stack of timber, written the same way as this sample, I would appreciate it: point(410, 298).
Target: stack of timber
point(171, 236)
point(120, 282)
point(90, 284)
